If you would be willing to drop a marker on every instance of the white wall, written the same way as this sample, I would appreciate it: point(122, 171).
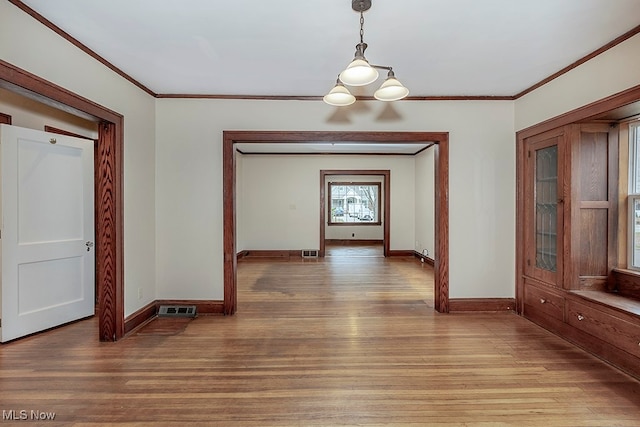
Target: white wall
point(27, 44)
point(425, 203)
point(611, 72)
point(281, 200)
point(189, 183)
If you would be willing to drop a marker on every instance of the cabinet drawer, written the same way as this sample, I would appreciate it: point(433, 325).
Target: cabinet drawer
point(609, 328)
point(542, 301)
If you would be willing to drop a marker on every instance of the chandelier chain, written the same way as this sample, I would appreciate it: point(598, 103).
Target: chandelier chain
point(361, 27)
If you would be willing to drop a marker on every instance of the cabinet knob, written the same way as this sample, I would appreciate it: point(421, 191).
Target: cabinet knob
point(543, 301)
point(580, 317)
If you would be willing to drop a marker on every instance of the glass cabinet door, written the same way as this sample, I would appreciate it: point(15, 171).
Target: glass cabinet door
point(544, 209)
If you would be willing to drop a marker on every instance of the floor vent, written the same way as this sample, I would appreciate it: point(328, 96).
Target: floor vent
point(177, 311)
point(309, 253)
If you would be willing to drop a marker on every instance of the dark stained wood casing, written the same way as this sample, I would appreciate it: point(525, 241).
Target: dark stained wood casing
point(441, 147)
point(108, 189)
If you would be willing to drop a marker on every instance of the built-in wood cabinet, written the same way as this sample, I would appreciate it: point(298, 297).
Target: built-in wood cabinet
point(568, 205)
point(592, 229)
point(544, 216)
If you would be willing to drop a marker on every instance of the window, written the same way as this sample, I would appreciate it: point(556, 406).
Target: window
point(634, 197)
point(354, 203)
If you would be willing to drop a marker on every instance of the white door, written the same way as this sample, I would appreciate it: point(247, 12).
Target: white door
point(47, 232)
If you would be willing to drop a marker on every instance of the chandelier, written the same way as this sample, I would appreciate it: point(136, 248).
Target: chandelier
point(360, 73)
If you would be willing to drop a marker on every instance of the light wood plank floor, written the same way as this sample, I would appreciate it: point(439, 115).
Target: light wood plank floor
point(339, 341)
point(353, 250)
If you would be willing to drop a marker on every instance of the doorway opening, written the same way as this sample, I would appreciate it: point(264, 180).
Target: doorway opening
point(108, 189)
point(325, 204)
point(441, 154)
point(355, 211)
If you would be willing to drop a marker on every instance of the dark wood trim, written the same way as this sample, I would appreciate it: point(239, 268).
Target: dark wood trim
point(583, 113)
point(625, 282)
point(52, 129)
point(424, 258)
point(300, 137)
point(240, 97)
point(150, 311)
point(109, 232)
point(422, 149)
point(441, 144)
point(370, 184)
point(326, 153)
point(456, 98)
point(400, 252)
point(273, 253)
point(241, 255)
point(109, 190)
point(386, 200)
point(482, 304)
point(140, 317)
point(44, 21)
point(319, 98)
point(613, 198)
point(30, 85)
point(347, 242)
point(5, 119)
point(441, 208)
point(230, 263)
point(581, 61)
point(520, 215)
point(203, 307)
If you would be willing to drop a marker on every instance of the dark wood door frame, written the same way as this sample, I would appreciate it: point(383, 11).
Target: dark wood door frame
point(386, 200)
point(108, 188)
point(441, 147)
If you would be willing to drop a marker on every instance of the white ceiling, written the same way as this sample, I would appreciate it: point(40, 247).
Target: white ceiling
point(297, 47)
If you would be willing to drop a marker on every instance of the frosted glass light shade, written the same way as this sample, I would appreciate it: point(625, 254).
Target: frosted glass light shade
point(358, 73)
point(339, 96)
point(391, 90)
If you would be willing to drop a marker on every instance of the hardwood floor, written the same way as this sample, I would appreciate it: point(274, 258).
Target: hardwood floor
point(352, 250)
point(327, 342)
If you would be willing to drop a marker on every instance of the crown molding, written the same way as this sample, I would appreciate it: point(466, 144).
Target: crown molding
point(124, 75)
point(44, 21)
point(581, 61)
